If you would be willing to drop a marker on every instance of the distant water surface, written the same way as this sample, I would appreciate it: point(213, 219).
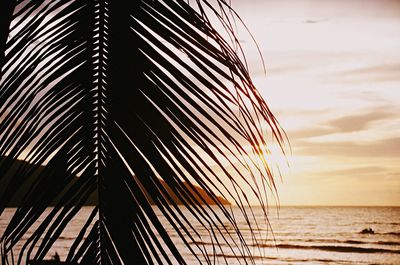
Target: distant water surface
point(301, 235)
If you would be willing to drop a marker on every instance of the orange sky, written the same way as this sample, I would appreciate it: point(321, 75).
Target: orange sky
point(333, 82)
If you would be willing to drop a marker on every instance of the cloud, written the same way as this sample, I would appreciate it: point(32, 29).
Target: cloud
point(310, 132)
point(346, 124)
point(301, 113)
point(285, 69)
point(370, 96)
point(314, 21)
point(382, 148)
point(377, 73)
point(376, 69)
point(354, 171)
point(358, 122)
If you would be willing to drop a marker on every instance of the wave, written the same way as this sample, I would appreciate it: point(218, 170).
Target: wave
point(388, 243)
point(333, 248)
point(381, 223)
point(354, 242)
point(67, 237)
point(391, 233)
point(284, 259)
point(246, 257)
point(339, 248)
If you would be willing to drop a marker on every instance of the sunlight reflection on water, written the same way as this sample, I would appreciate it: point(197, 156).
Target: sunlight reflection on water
point(303, 235)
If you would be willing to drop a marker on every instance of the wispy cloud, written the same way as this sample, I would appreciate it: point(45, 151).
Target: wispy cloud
point(383, 68)
point(377, 73)
point(310, 132)
point(354, 171)
point(358, 122)
point(381, 148)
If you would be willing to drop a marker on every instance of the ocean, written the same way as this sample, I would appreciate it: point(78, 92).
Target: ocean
point(295, 235)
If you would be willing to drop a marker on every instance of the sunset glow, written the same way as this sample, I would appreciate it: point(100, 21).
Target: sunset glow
point(333, 83)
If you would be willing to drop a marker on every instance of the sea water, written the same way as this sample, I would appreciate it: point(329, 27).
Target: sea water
point(294, 235)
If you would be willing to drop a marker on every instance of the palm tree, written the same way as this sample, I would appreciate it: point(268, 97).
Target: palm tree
point(127, 101)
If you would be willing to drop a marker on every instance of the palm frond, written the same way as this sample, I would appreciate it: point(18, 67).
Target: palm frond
point(135, 103)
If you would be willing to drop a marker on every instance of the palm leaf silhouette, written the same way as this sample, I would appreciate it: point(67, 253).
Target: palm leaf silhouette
point(137, 99)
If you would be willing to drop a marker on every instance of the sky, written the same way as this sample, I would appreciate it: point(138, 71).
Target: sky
point(333, 82)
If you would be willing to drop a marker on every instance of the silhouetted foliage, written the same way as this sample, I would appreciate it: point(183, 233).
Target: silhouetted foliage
point(137, 99)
